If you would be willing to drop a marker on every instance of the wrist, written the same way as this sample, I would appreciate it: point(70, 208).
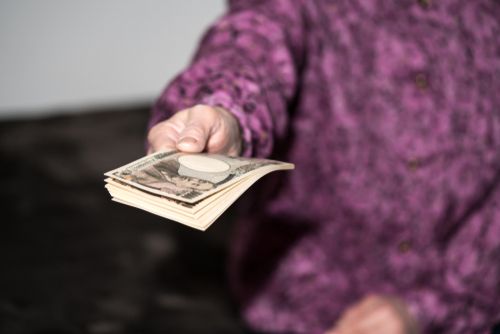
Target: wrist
point(233, 129)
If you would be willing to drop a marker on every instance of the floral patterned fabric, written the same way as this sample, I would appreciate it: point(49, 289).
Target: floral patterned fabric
point(391, 112)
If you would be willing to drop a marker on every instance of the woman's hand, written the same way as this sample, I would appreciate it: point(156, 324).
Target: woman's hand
point(376, 315)
point(197, 129)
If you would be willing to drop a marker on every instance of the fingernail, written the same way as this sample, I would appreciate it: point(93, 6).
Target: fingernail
point(187, 140)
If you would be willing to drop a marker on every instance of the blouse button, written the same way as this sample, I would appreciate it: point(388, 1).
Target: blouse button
point(421, 81)
point(404, 247)
point(424, 3)
point(413, 164)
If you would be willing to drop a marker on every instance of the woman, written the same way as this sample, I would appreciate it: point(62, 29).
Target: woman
point(390, 111)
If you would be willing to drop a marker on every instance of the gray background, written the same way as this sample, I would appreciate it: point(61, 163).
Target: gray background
point(74, 55)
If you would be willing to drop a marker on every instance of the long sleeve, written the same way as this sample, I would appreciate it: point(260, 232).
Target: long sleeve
point(395, 139)
point(248, 64)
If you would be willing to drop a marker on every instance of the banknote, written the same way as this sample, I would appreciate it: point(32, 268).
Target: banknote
point(190, 177)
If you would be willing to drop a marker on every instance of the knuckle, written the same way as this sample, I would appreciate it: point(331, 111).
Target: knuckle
point(195, 131)
point(157, 130)
point(206, 111)
point(389, 313)
point(180, 115)
point(200, 108)
point(372, 297)
point(154, 129)
point(394, 326)
point(151, 135)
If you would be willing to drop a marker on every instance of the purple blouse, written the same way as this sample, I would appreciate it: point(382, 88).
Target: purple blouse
point(390, 110)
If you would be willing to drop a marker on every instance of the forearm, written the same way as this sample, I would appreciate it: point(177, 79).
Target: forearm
point(247, 65)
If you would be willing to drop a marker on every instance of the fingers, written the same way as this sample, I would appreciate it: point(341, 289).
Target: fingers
point(356, 314)
point(373, 315)
point(198, 126)
point(187, 130)
point(225, 135)
point(198, 129)
point(383, 319)
point(163, 136)
point(360, 310)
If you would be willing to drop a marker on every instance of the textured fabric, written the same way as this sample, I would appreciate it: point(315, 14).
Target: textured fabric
point(391, 112)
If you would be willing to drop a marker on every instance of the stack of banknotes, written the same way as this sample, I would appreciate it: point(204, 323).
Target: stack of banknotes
point(192, 189)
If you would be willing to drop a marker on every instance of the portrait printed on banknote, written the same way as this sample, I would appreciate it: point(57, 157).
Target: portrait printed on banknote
point(186, 176)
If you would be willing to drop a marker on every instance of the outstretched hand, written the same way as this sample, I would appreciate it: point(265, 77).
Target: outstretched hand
point(197, 129)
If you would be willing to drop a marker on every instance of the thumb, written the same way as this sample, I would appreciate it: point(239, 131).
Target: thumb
point(194, 136)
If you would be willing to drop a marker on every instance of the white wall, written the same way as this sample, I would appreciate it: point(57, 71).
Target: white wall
point(57, 54)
